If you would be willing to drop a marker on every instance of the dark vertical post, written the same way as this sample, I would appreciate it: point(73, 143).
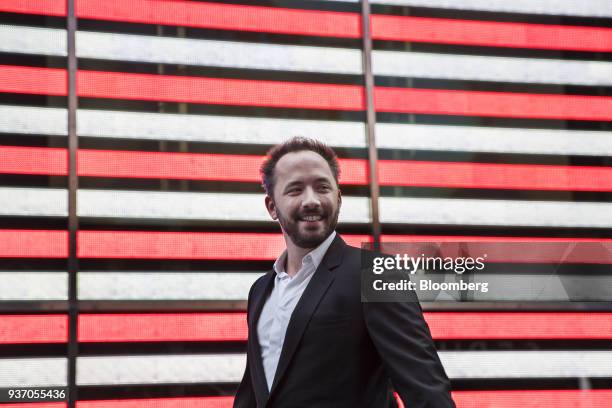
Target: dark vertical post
point(370, 119)
point(73, 221)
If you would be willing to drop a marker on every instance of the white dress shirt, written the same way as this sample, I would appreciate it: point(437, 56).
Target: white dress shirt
point(277, 310)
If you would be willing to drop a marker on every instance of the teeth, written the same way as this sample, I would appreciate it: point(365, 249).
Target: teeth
point(312, 218)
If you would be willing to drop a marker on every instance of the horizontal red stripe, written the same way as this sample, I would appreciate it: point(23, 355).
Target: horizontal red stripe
point(599, 398)
point(526, 252)
point(244, 168)
point(245, 92)
point(33, 160)
point(119, 85)
point(44, 7)
point(471, 238)
point(191, 166)
point(520, 250)
point(492, 34)
point(33, 80)
point(519, 325)
point(224, 16)
point(250, 246)
point(328, 23)
point(500, 176)
point(50, 81)
point(180, 402)
point(162, 327)
point(36, 405)
point(185, 245)
point(443, 325)
point(33, 244)
point(533, 399)
point(498, 104)
point(30, 329)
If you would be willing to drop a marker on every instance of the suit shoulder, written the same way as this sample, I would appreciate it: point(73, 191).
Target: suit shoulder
point(360, 254)
point(259, 281)
point(354, 258)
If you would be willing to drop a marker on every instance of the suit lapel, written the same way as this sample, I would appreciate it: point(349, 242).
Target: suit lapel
point(257, 371)
point(307, 304)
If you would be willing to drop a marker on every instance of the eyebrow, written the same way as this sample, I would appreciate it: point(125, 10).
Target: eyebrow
point(298, 182)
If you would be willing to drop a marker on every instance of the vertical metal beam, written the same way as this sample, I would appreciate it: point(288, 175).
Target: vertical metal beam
point(73, 221)
point(370, 120)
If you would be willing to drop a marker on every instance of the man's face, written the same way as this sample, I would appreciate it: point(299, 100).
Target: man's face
point(306, 198)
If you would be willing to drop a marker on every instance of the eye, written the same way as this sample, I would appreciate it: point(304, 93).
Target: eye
point(324, 188)
point(294, 191)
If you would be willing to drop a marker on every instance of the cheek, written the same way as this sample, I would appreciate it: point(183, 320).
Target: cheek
point(287, 209)
point(331, 202)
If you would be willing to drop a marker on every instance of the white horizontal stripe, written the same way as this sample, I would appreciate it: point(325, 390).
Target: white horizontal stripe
point(522, 287)
point(168, 50)
point(49, 202)
point(19, 119)
point(230, 367)
point(165, 285)
point(492, 139)
point(155, 205)
point(248, 207)
point(527, 364)
point(155, 369)
point(135, 125)
point(195, 206)
point(232, 54)
point(216, 53)
point(33, 40)
point(235, 286)
point(34, 285)
point(501, 69)
point(227, 129)
point(220, 129)
point(165, 126)
point(455, 211)
point(588, 8)
point(542, 287)
point(33, 372)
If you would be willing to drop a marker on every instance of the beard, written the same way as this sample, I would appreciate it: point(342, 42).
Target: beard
point(303, 236)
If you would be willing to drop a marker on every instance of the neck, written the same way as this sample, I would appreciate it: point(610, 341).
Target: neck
point(295, 254)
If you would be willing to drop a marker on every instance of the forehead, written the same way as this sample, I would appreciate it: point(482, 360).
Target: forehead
point(302, 164)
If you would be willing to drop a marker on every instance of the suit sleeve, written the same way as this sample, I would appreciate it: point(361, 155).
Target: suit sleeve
point(245, 396)
point(402, 338)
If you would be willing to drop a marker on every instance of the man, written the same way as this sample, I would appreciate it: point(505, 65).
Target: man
point(312, 342)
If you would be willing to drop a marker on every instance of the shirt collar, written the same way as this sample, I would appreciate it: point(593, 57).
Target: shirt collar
point(315, 256)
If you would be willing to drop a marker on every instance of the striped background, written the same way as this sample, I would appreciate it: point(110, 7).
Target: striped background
point(493, 120)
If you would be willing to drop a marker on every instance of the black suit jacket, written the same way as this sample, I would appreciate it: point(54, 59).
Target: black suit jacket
point(339, 352)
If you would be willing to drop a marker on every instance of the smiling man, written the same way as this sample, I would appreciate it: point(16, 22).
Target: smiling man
point(312, 342)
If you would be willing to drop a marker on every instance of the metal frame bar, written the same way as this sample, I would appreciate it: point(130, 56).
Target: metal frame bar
point(370, 120)
point(73, 221)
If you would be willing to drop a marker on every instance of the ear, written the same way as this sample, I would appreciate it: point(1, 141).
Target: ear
point(271, 207)
point(339, 199)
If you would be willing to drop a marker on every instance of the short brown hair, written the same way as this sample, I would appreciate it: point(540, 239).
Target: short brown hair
point(296, 144)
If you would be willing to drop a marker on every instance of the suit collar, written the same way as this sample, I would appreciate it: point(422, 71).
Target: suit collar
point(260, 294)
point(304, 309)
point(315, 256)
point(307, 305)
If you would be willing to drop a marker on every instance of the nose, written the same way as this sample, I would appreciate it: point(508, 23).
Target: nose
point(311, 199)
